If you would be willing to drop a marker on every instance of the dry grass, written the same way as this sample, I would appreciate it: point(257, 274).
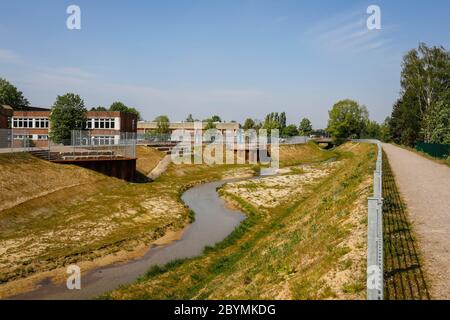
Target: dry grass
point(291, 155)
point(55, 215)
point(101, 215)
point(148, 158)
point(24, 177)
point(312, 245)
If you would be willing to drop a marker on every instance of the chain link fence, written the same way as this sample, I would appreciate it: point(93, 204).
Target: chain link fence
point(82, 144)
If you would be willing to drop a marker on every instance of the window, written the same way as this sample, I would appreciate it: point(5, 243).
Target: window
point(43, 122)
point(23, 137)
point(102, 123)
point(103, 140)
point(42, 137)
point(28, 123)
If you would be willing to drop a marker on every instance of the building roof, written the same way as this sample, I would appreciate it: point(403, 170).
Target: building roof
point(28, 108)
point(6, 107)
point(187, 125)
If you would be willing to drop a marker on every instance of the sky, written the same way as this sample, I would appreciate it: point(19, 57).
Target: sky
point(234, 58)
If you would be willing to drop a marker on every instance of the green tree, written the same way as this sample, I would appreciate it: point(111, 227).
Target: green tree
point(425, 80)
point(271, 122)
point(385, 132)
point(9, 95)
point(371, 130)
point(346, 120)
point(210, 124)
point(438, 119)
point(120, 106)
point(406, 121)
point(249, 124)
point(163, 124)
point(135, 112)
point(190, 118)
point(305, 127)
point(216, 118)
point(282, 120)
point(426, 75)
point(290, 131)
point(99, 108)
point(68, 113)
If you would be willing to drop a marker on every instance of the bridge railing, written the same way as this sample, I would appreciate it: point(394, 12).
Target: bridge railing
point(375, 257)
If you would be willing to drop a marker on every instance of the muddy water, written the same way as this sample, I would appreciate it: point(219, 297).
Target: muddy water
point(213, 223)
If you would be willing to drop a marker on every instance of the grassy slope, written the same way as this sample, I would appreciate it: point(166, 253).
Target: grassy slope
point(310, 247)
point(69, 214)
point(24, 177)
point(307, 153)
point(148, 158)
point(100, 216)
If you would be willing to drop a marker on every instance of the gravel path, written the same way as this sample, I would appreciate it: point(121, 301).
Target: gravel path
point(425, 186)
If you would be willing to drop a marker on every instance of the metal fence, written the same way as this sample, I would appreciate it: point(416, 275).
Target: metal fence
point(375, 258)
point(82, 144)
point(21, 140)
point(92, 149)
point(294, 140)
point(433, 149)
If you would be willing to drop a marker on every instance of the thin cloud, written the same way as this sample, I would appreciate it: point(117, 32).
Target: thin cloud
point(346, 33)
point(44, 85)
point(7, 56)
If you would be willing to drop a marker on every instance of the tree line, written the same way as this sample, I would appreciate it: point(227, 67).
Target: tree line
point(275, 120)
point(422, 112)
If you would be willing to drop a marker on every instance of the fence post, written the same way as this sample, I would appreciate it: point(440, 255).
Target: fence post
point(374, 250)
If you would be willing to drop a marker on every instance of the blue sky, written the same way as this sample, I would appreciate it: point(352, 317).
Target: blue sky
point(234, 58)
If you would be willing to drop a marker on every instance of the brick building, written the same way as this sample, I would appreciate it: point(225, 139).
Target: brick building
point(6, 113)
point(31, 126)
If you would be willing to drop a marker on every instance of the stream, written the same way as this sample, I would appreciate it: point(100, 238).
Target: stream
point(213, 223)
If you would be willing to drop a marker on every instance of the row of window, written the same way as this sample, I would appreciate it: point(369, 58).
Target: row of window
point(30, 123)
point(103, 140)
point(30, 137)
point(43, 123)
point(100, 123)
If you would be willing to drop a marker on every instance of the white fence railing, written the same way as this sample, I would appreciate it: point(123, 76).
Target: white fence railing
point(375, 276)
